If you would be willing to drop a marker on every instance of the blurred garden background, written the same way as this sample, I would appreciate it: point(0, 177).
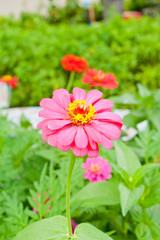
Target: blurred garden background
point(121, 37)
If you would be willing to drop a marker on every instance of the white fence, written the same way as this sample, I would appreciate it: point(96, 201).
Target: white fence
point(15, 7)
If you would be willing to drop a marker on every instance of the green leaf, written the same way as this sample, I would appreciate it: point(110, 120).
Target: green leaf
point(141, 172)
point(125, 99)
point(155, 231)
point(152, 195)
point(136, 214)
point(154, 118)
point(126, 158)
point(124, 175)
point(98, 194)
point(143, 232)
point(86, 231)
point(143, 91)
point(47, 229)
point(129, 198)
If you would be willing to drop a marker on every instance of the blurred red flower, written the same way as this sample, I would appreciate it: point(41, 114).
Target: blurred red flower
point(74, 63)
point(99, 79)
point(131, 14)
point(12, 81)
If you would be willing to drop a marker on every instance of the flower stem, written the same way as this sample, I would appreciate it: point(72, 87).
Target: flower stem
point(71, 165)
point(70, 81)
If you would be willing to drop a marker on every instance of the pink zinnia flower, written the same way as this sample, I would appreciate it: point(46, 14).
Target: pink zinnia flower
point(79, 121)
point(99, 79)
point(97, 169)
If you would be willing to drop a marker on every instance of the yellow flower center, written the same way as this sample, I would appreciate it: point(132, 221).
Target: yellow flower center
point(80, 113)
point(95, 168)
point(99, 77)
point(7, 78)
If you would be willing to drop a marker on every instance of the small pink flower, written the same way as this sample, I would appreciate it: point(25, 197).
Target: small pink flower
point(74, 225)
point(97, 169)
point(79, 121)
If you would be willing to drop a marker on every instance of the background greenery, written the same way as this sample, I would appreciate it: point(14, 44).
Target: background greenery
point(37, 168)
point(31, 49)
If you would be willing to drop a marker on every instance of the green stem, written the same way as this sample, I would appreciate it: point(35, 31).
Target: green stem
point(71, 165)
point(70, 81)
point(145, 216)
point(146, 160)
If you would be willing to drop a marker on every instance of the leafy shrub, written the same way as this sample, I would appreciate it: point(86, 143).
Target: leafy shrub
point(73, 12)
point(147, 106)
point(149, 6)
point(32, 50)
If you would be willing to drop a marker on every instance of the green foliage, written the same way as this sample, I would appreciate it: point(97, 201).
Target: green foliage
point(146, 144)
point(88, 232)
point(73, 12)
point(147, 6)
point(56, 229)
point(33, 176)
point(129, 50)
point(52, 228)
point(98, 194)
point(147, 106)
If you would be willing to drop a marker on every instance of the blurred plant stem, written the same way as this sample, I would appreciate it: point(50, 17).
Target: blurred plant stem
point(71, 166)
point(70, 81)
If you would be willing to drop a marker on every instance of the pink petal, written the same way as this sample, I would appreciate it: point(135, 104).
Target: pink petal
point(108, 116)
point(52, 140)
point(93, 153)
point(62, 96)
point(79, 152)
point(63, 148)
point(110, 129)
point(40, 124)
point(93, 95)
point(46, 132)
point(106, 143)
point(51, 115)
point(51, 104)
point(103, 104)
point(92, 143)
point(57, 124)
point(79, 93)
point(67, 135)
point(93, 134)
point(59, 92)
point(81, 139)
point(65, 100)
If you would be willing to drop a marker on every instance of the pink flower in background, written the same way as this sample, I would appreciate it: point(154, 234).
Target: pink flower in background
point(96, 169)
point(99, 79)
point(79, 121)
point(74, 225)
